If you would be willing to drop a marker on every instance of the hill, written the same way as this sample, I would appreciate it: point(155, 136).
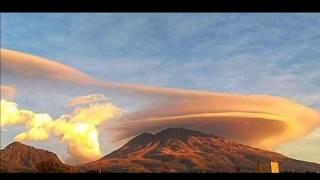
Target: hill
point(18, 157)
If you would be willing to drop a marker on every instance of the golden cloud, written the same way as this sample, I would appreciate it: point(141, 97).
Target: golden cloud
point(78, 129)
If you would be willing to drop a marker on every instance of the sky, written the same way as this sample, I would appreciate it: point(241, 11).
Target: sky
point(246, 53)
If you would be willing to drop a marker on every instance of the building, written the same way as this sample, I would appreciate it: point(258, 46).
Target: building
point(272, 167)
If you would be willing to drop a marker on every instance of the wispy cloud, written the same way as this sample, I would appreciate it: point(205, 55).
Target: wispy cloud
point(7, 92)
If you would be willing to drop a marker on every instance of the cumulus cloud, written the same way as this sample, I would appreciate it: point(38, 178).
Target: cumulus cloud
point(7, 92)
point(78, 129)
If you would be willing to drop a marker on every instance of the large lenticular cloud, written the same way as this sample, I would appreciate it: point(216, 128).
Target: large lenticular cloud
point(261, 121)
point(26, 66)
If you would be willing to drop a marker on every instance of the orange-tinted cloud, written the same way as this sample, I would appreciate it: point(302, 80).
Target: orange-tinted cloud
point(37, 68)
point(29, 66)
point(262, 121)
point(7, 92)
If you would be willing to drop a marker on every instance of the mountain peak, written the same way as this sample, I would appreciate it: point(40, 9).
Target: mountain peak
point(166, 134)
point(16, 144)
point(142, 138)
point(180, 133)
point(20, 157)
point(184, 150)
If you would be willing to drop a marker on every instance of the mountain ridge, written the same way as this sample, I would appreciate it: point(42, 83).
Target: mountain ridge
point(18, 157)
point(170, 150)
point(184, 150)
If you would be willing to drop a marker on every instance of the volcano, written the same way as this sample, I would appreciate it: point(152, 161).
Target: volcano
point(183, 150)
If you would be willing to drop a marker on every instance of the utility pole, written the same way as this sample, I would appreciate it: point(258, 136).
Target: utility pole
point(100, 170)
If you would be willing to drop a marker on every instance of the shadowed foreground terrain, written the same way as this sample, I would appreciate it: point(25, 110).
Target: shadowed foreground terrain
point(171, 150)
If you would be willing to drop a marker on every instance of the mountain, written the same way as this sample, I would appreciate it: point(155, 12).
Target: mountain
point(18, 157)
point(171, 150)
point(182, 150)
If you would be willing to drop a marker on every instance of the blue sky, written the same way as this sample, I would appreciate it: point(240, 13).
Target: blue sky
point(275, 54)
point(248, 53)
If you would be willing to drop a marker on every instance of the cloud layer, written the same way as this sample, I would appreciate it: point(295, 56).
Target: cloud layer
point(27, 66)
point(23, 65)
point(261, 121)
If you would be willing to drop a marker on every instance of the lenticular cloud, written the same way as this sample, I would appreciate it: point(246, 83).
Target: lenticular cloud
point(261, 121)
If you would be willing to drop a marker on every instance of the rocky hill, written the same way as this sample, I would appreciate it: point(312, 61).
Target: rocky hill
point(18, 157)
